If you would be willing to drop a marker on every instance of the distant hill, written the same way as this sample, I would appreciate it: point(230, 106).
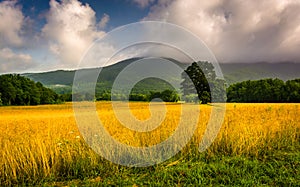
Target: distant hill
point(61, 80)
point(63, 77)
point(237, 72)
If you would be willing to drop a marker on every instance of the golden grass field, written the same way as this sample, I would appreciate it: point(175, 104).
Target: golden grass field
point(41, 141)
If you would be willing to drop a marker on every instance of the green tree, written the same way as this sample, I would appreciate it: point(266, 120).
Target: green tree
point(197, 79)
point(218, 87)
point(138, 97)
point(0, 99)
point(166, 96)
point(262, 91)
point(47, 96)
point(292, 90)
point(19, 90)
point(169, 96)
point(9, 92)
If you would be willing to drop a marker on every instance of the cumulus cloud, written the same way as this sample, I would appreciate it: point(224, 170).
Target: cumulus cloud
point(70, 29)
point(143, 3)
point(13, 62)
point(12, 37)
point(11, 23)
point(238, 31)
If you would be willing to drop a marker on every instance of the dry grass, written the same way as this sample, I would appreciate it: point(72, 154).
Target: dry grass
point(41, 142)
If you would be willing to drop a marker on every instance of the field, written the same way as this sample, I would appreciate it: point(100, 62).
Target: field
point(258, 144)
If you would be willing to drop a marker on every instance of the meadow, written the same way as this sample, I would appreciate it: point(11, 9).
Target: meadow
point(258, 144)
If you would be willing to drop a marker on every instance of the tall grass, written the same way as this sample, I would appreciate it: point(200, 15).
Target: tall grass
point(42, 143)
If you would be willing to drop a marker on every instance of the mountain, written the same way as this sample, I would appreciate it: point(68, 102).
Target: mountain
point(237, 72)
point(61, 80)
point(63, 77)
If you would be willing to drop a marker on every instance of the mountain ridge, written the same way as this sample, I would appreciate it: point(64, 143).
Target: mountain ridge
point(232, 72)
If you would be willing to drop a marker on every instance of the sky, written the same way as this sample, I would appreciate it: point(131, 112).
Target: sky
point(44, 35)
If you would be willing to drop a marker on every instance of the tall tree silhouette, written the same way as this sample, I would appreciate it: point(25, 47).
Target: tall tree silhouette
point(196, 80)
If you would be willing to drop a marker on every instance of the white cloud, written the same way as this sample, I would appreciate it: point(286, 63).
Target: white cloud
point(143, 3)
point(13, 62)
point(70, 29)
point(11, 23)
point(237, 30)
point(103, 22)
point(11, 37)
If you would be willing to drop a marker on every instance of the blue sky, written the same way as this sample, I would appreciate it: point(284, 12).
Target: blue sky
point(120, 11)
point(43, 35)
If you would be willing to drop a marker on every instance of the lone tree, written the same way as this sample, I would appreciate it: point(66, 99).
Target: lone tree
point(197, 79)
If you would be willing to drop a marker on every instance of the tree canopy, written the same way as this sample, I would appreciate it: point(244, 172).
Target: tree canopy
point(264, 91)
point(200, 80)
point(19, 90)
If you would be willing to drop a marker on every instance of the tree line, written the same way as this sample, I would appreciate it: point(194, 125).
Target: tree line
point(200, 84)
point(265, 91)
point(166, 96)
point(19, 90)
point(195, 87)
point(200, 80)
